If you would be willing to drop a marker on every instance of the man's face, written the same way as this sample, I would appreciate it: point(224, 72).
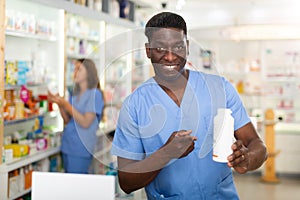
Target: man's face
point(168, 50)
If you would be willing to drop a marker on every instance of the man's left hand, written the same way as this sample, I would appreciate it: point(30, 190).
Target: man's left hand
point(239, 159)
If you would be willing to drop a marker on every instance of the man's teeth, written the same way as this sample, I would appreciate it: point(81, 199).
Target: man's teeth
point(170, 66)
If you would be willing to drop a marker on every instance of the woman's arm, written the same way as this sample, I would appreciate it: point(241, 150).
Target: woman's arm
point(67, 111)
point(64, 115)
point(83, 119)
point(54, 99)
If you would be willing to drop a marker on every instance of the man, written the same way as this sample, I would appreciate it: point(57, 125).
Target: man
point(163, 138)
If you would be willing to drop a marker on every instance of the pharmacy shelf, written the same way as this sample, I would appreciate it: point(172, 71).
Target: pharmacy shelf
point(79, 56)
point(88, 38)
point(17, 163)
point(19, 194)
point(13, 87)
point(17, 121)
point(83, 11)
point(30, 35)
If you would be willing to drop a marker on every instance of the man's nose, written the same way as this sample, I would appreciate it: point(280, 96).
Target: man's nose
point(169, 55)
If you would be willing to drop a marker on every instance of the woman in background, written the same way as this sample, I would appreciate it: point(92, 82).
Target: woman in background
point(81, 115)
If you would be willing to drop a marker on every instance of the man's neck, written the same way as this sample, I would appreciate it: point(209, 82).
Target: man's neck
point(174, 85)
point(175, 89)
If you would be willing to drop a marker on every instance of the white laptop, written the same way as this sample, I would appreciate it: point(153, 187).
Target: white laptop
point(64, 186)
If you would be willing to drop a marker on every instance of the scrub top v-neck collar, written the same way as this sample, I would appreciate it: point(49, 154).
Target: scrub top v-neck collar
point(186, 100)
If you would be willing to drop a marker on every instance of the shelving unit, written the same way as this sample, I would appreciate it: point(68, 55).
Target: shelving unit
point(116, 74)
point(2, 46)
point(29, 35)
point(142, 67)
point(83, 40)
point(18, 163)
point(282, 75)
point(17, 121)
point(102, 157)
point(42, 49)
point(55, 47)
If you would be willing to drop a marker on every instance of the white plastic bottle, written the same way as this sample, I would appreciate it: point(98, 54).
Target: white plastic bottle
point(21, 180)
point(223, 135)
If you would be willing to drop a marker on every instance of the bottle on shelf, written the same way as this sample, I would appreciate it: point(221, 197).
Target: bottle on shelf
point(13, 183)
point(21, 180)
point(28, 177)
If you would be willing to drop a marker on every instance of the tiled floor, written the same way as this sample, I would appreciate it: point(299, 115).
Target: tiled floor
point(251, 187)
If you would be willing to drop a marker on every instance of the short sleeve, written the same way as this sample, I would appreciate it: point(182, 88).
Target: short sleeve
point(234, 102)
point(95, 102)
point(99, 104)
point(127, 142)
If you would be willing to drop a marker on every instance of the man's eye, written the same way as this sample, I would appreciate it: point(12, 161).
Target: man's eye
point(178, 48)
point(161, 49)
point(173, 49)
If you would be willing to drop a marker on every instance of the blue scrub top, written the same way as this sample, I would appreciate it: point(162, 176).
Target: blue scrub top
point(79, 141)
point(149, 116)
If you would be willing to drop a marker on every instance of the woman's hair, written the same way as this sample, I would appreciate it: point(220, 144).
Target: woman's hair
point(92, 75)
point(92, 79)
point(164, 20)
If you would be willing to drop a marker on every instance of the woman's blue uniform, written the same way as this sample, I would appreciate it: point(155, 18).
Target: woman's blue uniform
point(78, 143)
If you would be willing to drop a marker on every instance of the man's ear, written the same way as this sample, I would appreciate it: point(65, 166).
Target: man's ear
point(188, 47)
point(148, 52)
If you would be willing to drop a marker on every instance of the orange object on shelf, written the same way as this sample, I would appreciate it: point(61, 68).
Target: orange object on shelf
point(28, 177)
point(240, 87)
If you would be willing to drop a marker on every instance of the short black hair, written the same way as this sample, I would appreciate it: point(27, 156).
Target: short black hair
point(165, 20)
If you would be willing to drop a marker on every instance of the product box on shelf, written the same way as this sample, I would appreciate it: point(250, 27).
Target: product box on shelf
point(15, 72)
point(23, 68)
point(19, 150)
point(11, 73)
point(41, 144)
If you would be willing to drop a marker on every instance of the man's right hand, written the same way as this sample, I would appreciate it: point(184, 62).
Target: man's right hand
point(180, 144)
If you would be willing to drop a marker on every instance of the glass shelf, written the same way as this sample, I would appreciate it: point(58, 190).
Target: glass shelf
point(88, 38)
point(13, 87)
point(17, 163)
point(30, 35)
point(79, 56)
point(48, 114)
